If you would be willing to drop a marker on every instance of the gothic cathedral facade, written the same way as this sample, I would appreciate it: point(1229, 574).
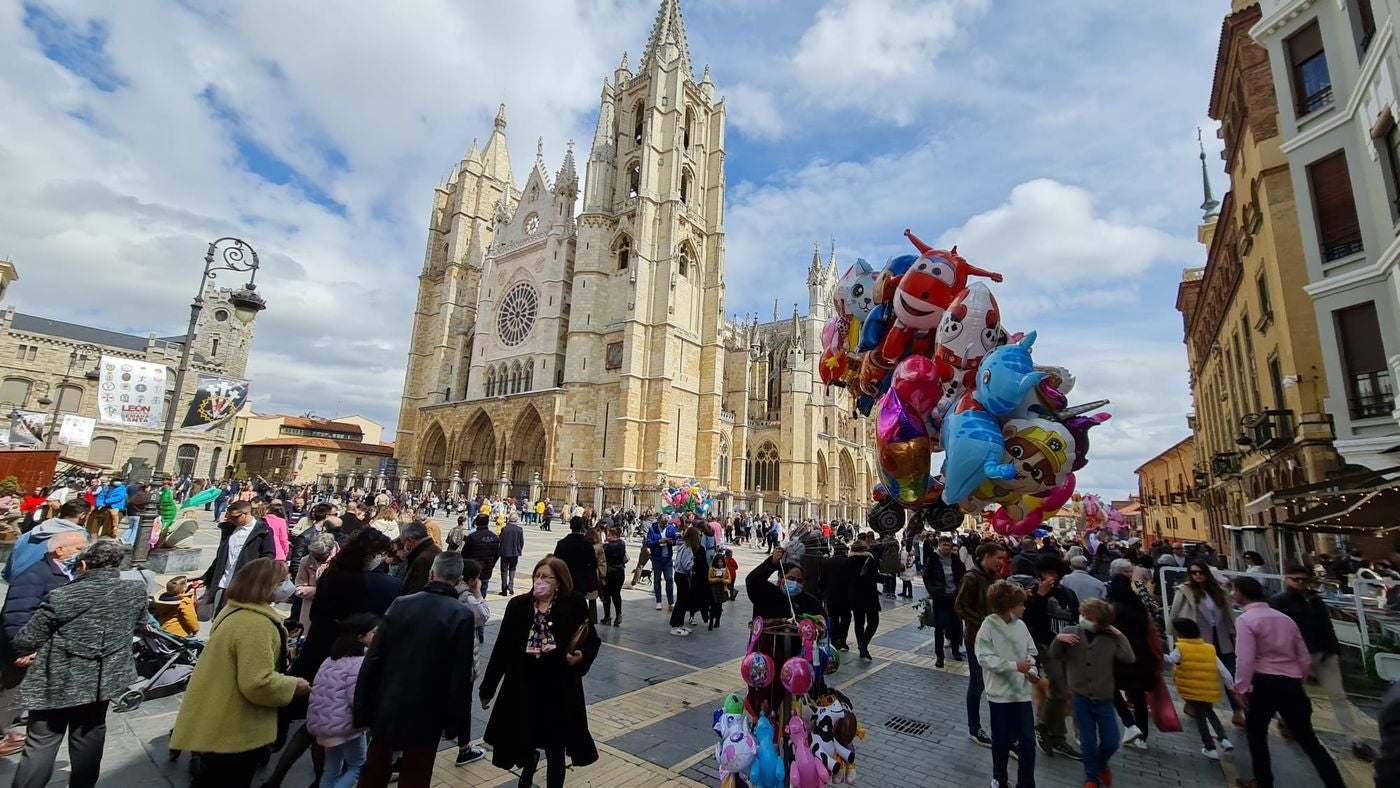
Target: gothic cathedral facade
point(552, 350)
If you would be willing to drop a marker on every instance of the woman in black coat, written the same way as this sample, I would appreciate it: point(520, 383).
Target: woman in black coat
point(863, 589)
point(1134, 679)
point(543, 650)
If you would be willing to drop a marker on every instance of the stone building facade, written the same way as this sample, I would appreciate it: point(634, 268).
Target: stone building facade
point(550, 347)
point(55, 361)
point(1336, 66)
point(1170, 504)
point(1257, 376)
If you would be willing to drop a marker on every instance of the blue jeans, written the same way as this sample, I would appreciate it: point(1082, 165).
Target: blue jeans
point(662, 567)
point(974, 690)
point(343, 763)
point(1013, 724)
point(133, 524)
point(1098, 734)
point(1229, 661)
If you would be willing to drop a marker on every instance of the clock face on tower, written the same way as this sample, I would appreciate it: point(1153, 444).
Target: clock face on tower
point(532, 223)
point(517, 314)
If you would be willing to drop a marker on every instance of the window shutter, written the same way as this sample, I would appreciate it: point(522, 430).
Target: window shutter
point(1360, 334)
point(1338, 230)
point(1304, 45)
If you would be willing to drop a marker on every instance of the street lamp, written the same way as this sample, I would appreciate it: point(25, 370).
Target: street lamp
point(79, 353)
point(224, 254)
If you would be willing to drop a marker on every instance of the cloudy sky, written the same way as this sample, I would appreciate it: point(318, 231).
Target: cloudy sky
point(1054, 141)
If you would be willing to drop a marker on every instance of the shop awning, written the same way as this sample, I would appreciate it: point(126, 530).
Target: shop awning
point(1263, 503)
point(1376, 510)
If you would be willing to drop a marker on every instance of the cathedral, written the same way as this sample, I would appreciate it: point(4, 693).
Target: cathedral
point(554, 350)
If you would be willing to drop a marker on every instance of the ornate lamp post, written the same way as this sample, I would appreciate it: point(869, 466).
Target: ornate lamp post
point(224, 254)
point(81, 353)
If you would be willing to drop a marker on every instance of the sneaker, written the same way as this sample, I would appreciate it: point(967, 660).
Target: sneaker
point(680, 631)
point(1064, 748)
point(1045, 746)
point(1211, 754)
point(658, 605)
point(996, 783)
point(469, 755)
point(1226, 745)
point(1131, 734)
point(1015, 756)
point(690, 622)
point(1140, 743)
point(980, 736)
point(1105, 776)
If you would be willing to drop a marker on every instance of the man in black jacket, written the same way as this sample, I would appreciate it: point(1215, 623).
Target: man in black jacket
point(1050, 609)
point(244, 539)
point(419, 558)
point(424, 634)
point(1309, 612)
point(577, 553)
point(943, 572)
point(836, 592)
point(483, 546)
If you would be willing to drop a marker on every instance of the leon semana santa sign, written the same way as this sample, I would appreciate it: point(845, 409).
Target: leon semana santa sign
point(132, 392)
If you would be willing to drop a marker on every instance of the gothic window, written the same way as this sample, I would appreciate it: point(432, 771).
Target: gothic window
point(624, 253)
point(723, 470)
point(638, 122)
point(763, 468)
point(491, 382)
point(777, 366)
point(634, 179)
point(529, 375)
point(685, 187)
point(683, 261)
point(516, 377)
point(517, 314)
point(689, 127)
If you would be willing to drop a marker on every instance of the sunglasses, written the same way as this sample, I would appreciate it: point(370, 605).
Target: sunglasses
point(1198, 573)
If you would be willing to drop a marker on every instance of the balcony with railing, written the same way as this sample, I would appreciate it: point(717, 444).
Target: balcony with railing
point(1369, 395)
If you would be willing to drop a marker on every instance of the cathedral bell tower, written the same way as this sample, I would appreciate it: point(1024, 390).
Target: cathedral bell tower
point(647, 295)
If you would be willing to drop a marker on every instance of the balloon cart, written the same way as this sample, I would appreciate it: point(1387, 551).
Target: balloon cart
point(790, 729)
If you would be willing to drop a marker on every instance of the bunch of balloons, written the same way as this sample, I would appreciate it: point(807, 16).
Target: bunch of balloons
point(1100, 516)
point(940, 373)
point(686, 498)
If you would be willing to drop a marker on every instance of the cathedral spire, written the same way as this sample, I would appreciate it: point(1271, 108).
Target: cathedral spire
point(814, 271)
point(473, 153)
point(1209, 204)
point(568, 175)
point(496, 159)
point(603, 145)
point(667, 42)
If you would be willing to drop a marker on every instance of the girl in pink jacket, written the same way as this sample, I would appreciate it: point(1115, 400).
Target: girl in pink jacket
point(329, 716)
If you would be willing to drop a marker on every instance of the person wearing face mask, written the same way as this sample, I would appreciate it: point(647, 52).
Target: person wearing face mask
point(79, 641)
point(780, 600)
point(348, 586)
point(1087, 653)
point(229, 712)
point(1007, 653)
point(27, 592)
point(31, 548)
point(543, 650)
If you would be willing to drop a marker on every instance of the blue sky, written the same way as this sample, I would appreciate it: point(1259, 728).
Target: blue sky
point(1053, 141)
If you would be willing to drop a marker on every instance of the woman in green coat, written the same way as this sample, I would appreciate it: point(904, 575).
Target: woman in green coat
point(229, 714)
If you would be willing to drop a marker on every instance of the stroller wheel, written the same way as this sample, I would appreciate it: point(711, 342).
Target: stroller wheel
point(128, 701)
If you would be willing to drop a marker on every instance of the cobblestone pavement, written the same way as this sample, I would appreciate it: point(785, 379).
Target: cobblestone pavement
point(652, 694)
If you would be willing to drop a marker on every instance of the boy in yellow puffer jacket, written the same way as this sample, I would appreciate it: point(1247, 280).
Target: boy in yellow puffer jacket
point(1198, 675)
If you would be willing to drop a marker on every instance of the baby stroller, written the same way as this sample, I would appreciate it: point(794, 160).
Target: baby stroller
point(164, 663)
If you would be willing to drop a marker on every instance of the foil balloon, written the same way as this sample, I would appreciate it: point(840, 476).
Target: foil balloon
point(902, 451)
point(767, 770)
point(797, 675)
point(916, 382)
point(968, 330)
point(757, 670)
point(855, 293)
point(834, 730)
point(736, 748)
point(972, 440)
point(807, 771)
point(1027, 513)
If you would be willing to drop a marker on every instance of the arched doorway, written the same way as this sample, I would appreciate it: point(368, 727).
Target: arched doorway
point(185, 459)
point(479, 448)
point(527, 450)
point(434, 453)
point(215, 472)
point(823, 482)
point(848, 476)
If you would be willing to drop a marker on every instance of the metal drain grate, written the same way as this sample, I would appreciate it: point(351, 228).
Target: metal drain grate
point(906, 725)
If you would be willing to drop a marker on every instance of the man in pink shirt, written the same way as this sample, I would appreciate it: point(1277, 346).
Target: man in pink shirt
point(1271, 661)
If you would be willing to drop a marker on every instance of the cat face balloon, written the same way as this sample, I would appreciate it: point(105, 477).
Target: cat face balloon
point(855, 291)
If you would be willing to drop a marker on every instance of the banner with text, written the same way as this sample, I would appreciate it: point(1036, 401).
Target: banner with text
point(132, 392)
point(215, 401)
point(76, 430)
point(28, 428)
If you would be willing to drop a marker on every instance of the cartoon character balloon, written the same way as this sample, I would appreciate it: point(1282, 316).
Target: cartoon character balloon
point(972, 438)
point(807, 771)
point(834, 730)
point(757, 669)
point(767, 770)
point(736, 748)
point(902, 451)
point(968, 331)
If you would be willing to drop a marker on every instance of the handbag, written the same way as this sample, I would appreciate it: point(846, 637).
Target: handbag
point(204, 608)
point(1162, 709)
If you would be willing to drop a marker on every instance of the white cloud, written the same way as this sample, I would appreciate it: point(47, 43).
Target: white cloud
point(878, 54)
point(753, 111)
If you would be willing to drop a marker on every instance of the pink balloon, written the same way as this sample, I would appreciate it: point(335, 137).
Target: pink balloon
point(917, 383)
point(797, 676)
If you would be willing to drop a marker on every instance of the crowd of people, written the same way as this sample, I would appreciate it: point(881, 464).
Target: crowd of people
point(380, 593)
